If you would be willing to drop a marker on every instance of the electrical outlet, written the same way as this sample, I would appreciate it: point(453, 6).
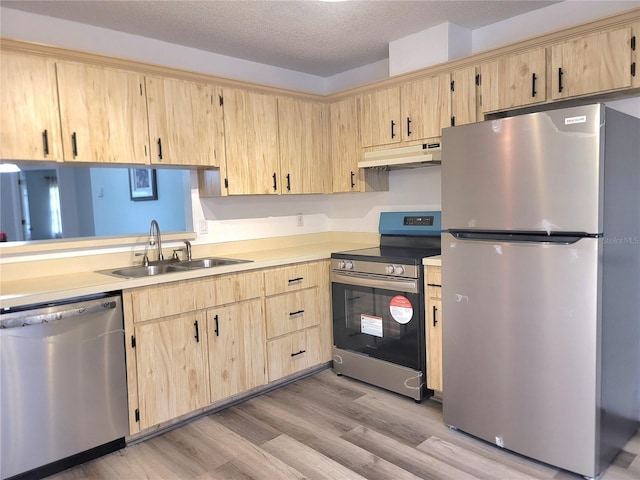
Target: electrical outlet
point(300, 220)
point(203, 227)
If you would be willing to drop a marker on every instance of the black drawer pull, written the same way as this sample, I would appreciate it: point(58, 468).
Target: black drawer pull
point(159, 148)
point(296, 313)
point(217, 329)
point(560, 73)
point(299, 353)
point(275, 183)
point(352, 182)
point(533, 85)
point(293, 280)
point(74, 145)
point(408, 126)
point(435, 311)
point(197, 337)
point(393, 125)
point(433, 285)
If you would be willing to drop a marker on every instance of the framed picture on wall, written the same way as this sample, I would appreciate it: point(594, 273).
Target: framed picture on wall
point(142, 184)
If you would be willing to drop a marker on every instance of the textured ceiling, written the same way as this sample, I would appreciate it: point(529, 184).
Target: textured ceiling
point(316, 37)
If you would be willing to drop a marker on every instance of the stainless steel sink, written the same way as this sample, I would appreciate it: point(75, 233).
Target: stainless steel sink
point(210, 262)
point(171, 266)
point(145, 271)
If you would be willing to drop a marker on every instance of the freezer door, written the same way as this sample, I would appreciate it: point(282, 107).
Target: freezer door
point(520, 346)
point(537, 172)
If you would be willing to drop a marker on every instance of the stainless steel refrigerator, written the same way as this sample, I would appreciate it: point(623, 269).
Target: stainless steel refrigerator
point(541, 283)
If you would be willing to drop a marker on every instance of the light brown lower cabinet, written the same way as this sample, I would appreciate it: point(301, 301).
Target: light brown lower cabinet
point(293, 353)
point(236, 348)
point(173, 368)
point(433, 320)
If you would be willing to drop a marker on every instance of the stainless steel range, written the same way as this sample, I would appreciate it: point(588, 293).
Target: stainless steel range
point(378, 305)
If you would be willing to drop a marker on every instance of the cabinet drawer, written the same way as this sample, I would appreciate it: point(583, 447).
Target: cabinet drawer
point(289, 279)
point(230, 289)
point(293, 353)
point(292, 311)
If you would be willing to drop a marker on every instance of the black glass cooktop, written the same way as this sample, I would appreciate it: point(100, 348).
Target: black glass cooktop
point(395, 249)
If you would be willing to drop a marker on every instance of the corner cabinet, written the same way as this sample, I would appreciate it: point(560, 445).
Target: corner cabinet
point(433, 320)
point(185, 123)
point(513, 81)
point(251, 142)
point(103, 112)
point(30, 124)
point(592, 64)
point(464, 96)
point(303, 133)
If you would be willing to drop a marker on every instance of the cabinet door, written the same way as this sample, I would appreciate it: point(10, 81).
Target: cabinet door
point(236, 348)
point(426, 108)
point(30, 126)
point(303, 132)
point(172, 368)
point(251, 141)
point(514, 81)
point(635, 54)
point(433, 319)
point(103, 113)
point(345, 145)
point(380, 117)
point(185, 123)
point(463, 96)
point(591, 64)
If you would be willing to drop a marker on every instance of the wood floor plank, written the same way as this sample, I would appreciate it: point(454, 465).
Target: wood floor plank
point(246, 426)
point(307, 460)
point(408, 458)
point(470, 462)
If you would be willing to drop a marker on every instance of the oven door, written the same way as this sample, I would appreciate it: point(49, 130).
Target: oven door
point(379, 316)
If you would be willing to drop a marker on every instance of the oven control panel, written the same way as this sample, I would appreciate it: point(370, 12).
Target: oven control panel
point(375, 268)
point(418, 221)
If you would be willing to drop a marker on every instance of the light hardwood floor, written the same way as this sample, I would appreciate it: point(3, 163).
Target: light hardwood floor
point(329, 428)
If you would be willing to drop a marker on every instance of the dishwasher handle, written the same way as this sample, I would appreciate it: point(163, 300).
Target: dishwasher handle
point(55, 314)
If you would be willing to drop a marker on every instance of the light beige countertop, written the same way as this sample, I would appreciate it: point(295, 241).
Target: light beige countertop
point(435, 261)
point(64, 285)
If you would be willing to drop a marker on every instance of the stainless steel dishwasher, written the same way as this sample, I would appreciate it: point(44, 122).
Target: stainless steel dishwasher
point(63, 395)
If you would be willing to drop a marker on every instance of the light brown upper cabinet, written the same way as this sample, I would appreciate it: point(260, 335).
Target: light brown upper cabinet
point(425, 107)
point(380, 117)
point(251, 142)
point(103, 113)
point(345, 145)
point(303, 132)
point(514, 80)
point(185, 122)
point(30, 124)
point(463, 96)
point(592, 64)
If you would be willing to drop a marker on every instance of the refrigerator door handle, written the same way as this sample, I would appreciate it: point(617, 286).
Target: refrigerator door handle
point(523, 237)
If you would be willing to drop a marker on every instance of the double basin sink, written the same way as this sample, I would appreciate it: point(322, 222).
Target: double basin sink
point(171, 266)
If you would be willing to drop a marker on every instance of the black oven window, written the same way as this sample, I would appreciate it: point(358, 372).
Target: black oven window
point(379, 323)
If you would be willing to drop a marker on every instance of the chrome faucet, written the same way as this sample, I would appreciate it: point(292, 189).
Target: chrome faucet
point(187, 244)
point(155, 239)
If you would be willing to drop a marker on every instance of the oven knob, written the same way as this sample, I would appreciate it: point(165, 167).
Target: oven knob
point(349, 266)
point(390, 269)
point(398, 270)
point(341, 265)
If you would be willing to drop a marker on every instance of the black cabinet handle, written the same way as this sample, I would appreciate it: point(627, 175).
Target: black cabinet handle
point(296, 313)
point(533, 84)
point(160, 148)
point(393, 133)
point(352, 178)
point(560, 73)
point(197, 331)
point(74, 145)
point(298, 353)
point(435, 311)
point(217, 329)
point(293, 280)
point(45, 142)
point(275, 184)
point(408, 127)
point(288, 182)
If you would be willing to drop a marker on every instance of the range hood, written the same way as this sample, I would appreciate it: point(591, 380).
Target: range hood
point(403, 157)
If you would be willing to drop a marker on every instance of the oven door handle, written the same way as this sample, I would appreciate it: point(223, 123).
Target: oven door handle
point(399, 284)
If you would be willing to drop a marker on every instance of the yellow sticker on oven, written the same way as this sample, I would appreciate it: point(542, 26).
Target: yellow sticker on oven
point(401, 309)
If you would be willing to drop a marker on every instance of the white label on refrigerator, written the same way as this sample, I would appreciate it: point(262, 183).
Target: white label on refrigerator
point(371, 325)
point(572, 120)
point(401, 309)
